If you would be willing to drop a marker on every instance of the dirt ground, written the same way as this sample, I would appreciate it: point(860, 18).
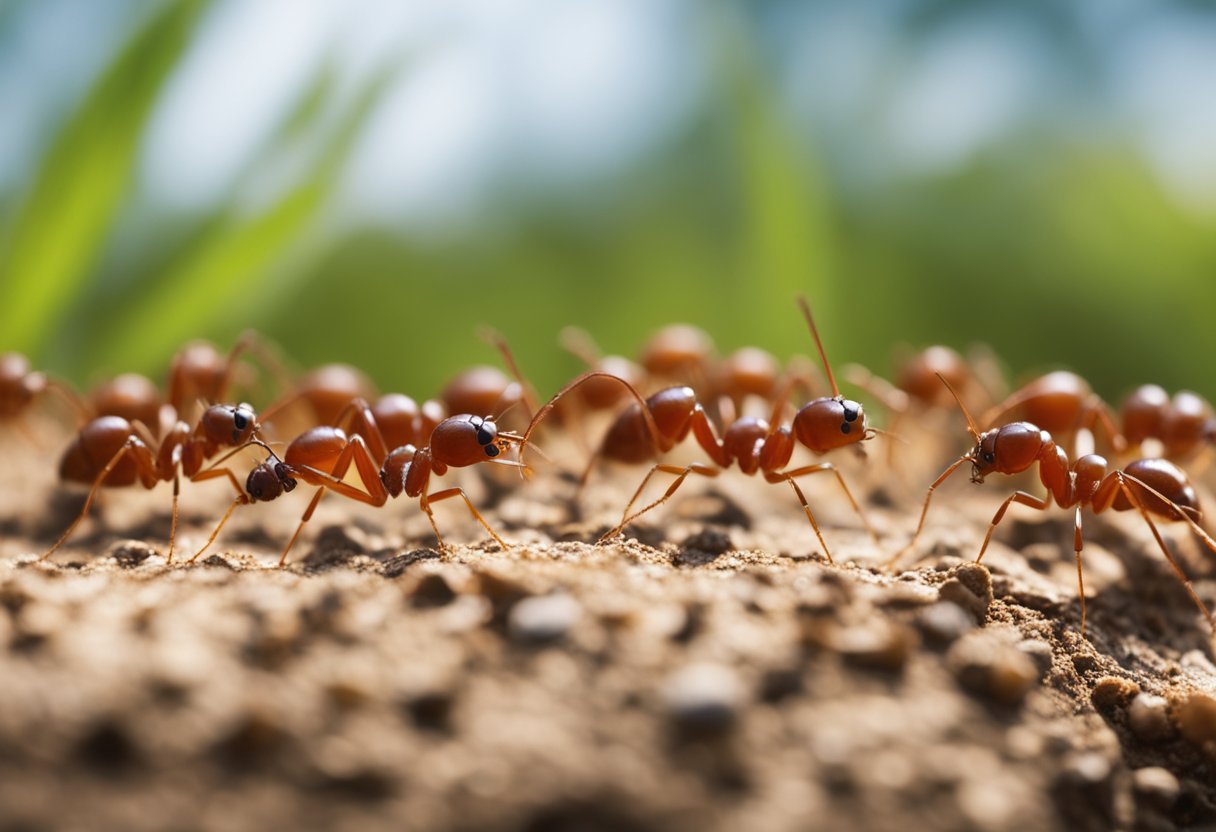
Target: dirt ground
point(710, 671)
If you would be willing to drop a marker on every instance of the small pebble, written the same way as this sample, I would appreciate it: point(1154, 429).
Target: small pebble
point(432, 590)
point(1040, 653)
point(880, 644)
point(1111, 692)
point(1156, 786)
point(543, 619)
point(131, 552)
point(1197, 718)
point(1149, 717)
point(945, 622)
point(970, 588)
point(703, 700)
point(989, 667)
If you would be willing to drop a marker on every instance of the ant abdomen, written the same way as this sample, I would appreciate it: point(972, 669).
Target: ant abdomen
point(630, 440)
point(1169, 481)
point(317, 448)
point(403, 422)
point(132, 397)
point(918, 377)
point(93, 446)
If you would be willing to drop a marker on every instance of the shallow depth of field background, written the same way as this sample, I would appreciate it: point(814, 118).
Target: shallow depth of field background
point(370, 181)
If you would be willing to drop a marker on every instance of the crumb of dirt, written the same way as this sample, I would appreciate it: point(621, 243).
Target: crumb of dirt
point(989, 665)
point(694, 679)
point(543, 619)
point(1149, 717)
point(1196, 718)
point(703, 700)
point(131, 552)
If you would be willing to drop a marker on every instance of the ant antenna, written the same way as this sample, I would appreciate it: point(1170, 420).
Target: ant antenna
point(495, 339)
point(810, 319)
point(872, 432)
point(971, 428)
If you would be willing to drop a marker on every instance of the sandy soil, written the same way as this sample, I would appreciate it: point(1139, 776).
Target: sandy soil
point(711, 671)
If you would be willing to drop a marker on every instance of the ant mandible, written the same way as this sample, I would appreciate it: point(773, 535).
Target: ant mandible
point(1151, 486)
point(657, 424)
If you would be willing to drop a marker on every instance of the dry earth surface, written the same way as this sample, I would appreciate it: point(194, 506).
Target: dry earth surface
point(710, 671)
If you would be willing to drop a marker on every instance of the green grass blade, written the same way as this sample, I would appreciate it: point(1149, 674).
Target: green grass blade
point(227, 265)
point(59, 231)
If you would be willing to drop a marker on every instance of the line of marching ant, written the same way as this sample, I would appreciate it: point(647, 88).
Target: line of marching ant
point(349, 441)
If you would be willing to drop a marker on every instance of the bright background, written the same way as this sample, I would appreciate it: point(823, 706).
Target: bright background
point(370, 181)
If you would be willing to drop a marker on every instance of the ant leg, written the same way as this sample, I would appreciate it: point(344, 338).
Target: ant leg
point(1016, 497)
point(1077, 543)
point(241, 499)
point(1097, 413)
point(827, 466)
point(83, 411)
point(177, 488)
point(924, 512)
point(888, 395)
point(369, 474)
point(312, 506)
point(457, 491)
point(139, 454)
point(357, 419)
point(772, 477)
point(1123, 480)
point(681, 474)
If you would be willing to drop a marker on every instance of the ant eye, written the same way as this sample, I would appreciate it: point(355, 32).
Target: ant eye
point(484, 437)
point(989, 457)
point(491, 450)
point(239, 419)
point(845, 427)
point(851, 411)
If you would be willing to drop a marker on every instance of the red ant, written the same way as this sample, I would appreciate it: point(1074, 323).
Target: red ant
point(1151, 486)
point(1061, 403)
point(112, 451)
point(21, 385)
point(657, 424)
point(323, 455)
point(1182, 424)
point(198, 372)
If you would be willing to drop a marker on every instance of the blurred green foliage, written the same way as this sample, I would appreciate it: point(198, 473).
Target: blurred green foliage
point(1058, 251)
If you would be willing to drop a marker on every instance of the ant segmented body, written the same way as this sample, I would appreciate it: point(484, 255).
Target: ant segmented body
point(652, 427)
point(1183, 424)
point(1151, 486)
point(322, 456)
point(1061, 403)
point(21, 385)
point(111, 451)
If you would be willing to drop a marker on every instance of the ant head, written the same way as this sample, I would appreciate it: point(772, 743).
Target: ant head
point(269, 480)
point(1009, 449)
point(824, 424)
point(466, 440)
point(227, 424)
